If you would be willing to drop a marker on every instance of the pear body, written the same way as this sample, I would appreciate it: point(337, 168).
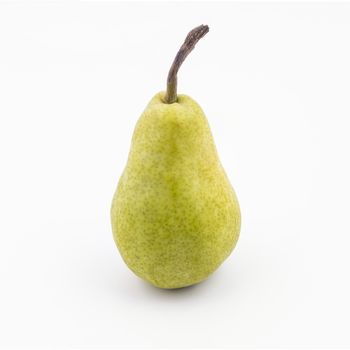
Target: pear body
point(175, 217)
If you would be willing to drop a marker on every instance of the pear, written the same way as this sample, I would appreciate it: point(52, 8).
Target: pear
point(175, 216)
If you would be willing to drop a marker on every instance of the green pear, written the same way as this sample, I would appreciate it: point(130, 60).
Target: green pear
point(175, 216)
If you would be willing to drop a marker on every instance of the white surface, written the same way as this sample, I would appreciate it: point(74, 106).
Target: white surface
point(273, 80)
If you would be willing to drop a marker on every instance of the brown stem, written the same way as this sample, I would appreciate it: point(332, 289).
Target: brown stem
point(190, 42)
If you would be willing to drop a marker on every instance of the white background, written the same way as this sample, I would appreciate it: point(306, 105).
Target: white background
point(274, 81)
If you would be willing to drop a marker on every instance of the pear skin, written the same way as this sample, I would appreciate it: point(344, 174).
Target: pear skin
point(175, 216)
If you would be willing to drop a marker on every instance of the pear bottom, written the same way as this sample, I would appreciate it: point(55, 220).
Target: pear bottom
point(169, 259)
point(173, 263)
point(175, 242)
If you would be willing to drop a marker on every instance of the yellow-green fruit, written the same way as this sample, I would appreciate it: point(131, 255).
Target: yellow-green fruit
point(175, 216)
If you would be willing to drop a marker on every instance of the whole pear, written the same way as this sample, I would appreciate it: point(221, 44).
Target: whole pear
point(175, 216)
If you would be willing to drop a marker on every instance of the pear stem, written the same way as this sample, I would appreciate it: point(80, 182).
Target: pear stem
point(190, 42)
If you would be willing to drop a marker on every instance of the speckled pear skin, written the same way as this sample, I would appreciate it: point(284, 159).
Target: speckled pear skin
point(175, 216)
